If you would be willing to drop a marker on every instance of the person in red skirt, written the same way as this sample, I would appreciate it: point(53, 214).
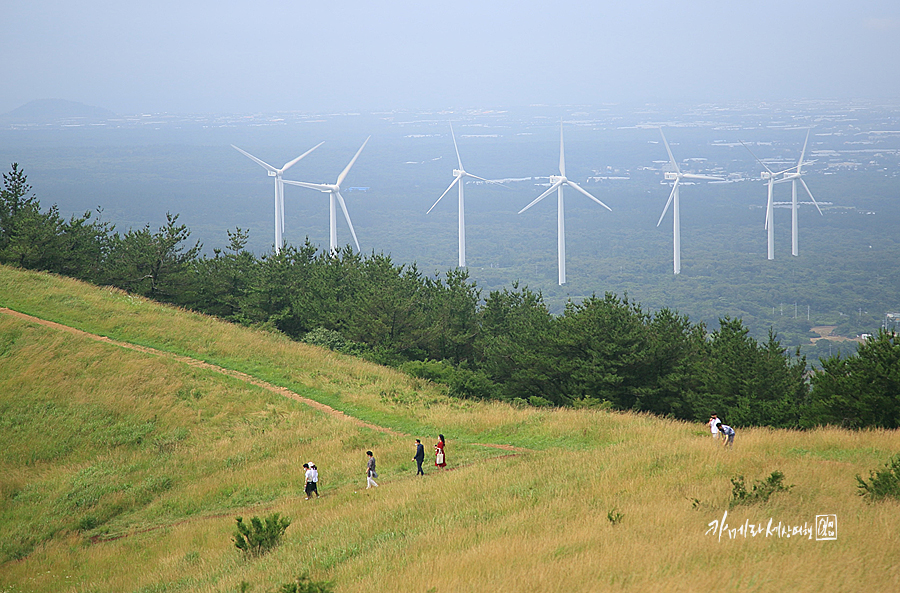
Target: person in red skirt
point(439, 459)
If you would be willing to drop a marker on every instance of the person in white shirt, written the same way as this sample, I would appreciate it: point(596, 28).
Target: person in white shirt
point(312, 480)
point(713, 420)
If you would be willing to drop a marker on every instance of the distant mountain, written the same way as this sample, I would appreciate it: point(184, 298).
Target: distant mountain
point(44, 111)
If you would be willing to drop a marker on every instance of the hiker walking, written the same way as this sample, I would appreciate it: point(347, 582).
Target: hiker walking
point(439, 459)
point(370, 471)
point(419, 457)
point(312, 480)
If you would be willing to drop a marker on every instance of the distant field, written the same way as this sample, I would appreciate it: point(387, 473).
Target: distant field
point(124, 465)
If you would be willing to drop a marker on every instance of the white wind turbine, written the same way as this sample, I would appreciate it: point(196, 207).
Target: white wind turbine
point(334, 194)
point(459, 176)
point(556, 183)
point(794, 177)
point(771, 178)
point(677, 176)
point(279, 189)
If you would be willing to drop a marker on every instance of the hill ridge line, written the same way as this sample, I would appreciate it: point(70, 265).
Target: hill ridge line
point(283, 391)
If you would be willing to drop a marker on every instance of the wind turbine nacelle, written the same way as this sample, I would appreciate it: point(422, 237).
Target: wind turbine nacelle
point(766, 175)
point(670, 176)
point(272, 174)
point(457, 172)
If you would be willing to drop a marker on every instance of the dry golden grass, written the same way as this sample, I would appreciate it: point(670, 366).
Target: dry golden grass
point(534, 520)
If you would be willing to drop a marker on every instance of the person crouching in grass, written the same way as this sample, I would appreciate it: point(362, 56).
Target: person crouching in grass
point(727, 435)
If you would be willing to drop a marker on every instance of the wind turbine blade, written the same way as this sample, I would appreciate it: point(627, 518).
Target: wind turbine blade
point(703, 177)
point(343, 174)
point(806, 187)
point(488, 181)
point(803, 152)
point(562, 152)
point(347, 216)
point(542, 196)
point(669, 150)
point(293, 162)
point(263, 164)
point(782, 172)
point(578, 187)
point(458, 159)
point(757, 158)
point(669, 201)
point(480, 178)
point(315, 186)
point(455, 181)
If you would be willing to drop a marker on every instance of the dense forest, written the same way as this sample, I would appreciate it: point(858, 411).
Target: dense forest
point(599, 351)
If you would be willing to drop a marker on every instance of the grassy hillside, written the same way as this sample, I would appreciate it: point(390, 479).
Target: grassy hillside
point(123, 469)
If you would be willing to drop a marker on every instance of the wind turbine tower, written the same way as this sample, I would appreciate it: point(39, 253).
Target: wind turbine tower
point(677, 176)
point(795, 177)
point(792, 174)
point(771, 179)
point(459, 178)
point(334, 196)
point(556, 183)
point(279, 189)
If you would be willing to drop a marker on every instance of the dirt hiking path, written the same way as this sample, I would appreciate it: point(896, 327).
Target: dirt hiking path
point(282, 391)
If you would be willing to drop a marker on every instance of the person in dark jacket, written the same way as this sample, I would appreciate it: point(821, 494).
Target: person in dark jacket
point(370, 471)
point(419, 458)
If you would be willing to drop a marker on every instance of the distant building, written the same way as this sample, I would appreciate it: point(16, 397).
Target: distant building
point(892, 322)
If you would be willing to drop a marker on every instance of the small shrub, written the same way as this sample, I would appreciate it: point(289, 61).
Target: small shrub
point(614, 516)
point(466, 384)
point(436, 371)
point(592, 403)
point(539, 402)
point(304, 585)
point(760, 492)
point(327, 338)
point(882, 483)
point(461, 382)
point(260, 536)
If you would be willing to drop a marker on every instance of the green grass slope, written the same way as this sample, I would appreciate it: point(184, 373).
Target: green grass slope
point(124, 462)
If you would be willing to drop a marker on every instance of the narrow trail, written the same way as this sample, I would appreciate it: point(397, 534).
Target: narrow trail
point(237, 375)
point(203, 365)
point(282, 391)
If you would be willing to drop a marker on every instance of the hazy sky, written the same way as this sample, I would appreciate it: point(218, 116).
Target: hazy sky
point(226, 56)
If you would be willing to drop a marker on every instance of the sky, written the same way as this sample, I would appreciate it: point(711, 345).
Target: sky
point(185, 56)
